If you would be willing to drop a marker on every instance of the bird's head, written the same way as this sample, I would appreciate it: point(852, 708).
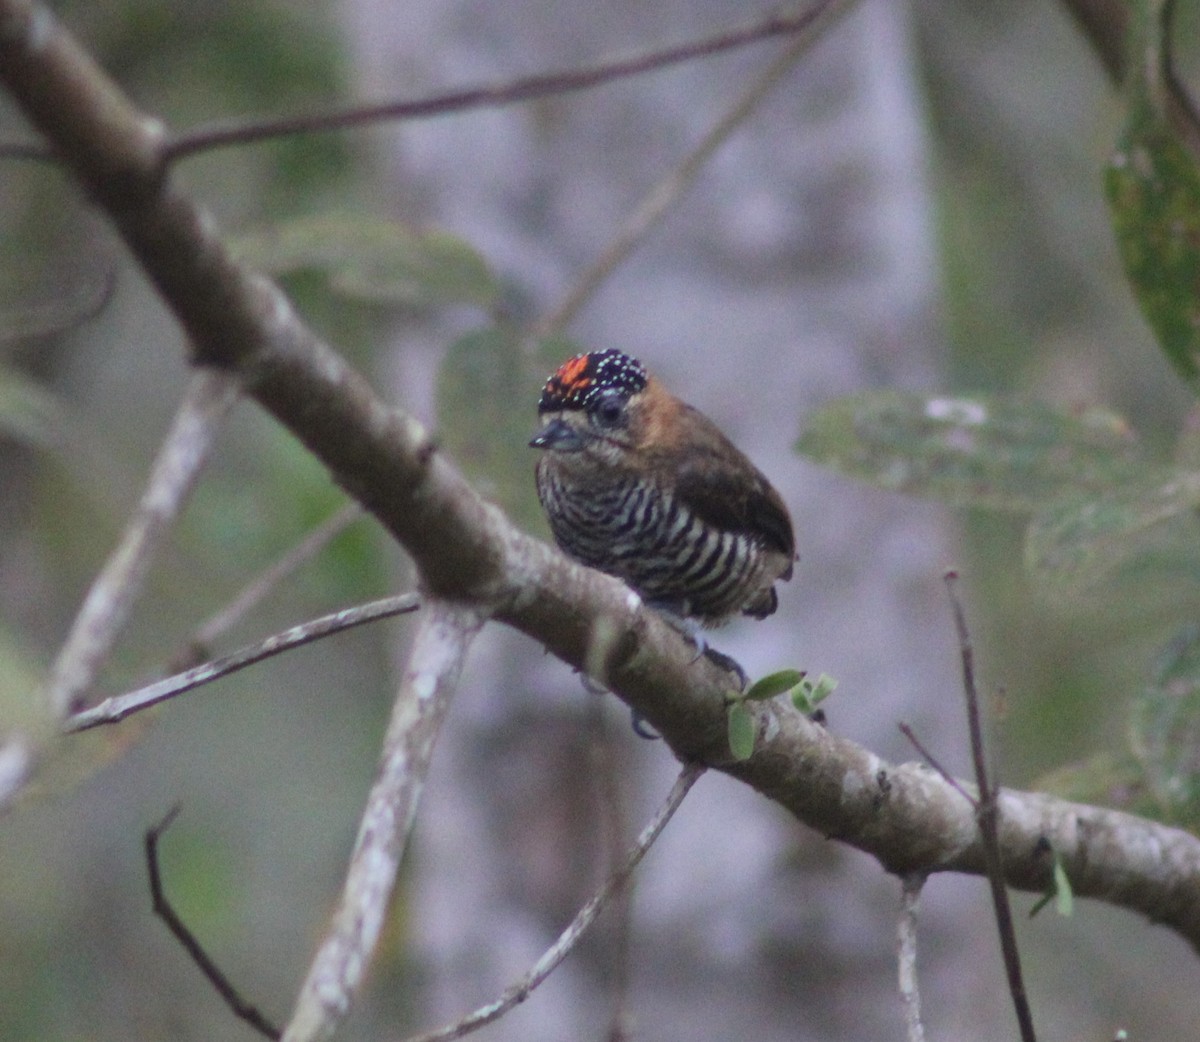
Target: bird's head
point(591, 408)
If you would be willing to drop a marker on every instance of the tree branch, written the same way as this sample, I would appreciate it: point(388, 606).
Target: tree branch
point(987, 814)
point(663, 194)
point(252, 594)
point(340, 965)
point(496, 95)
point(200, 416)
point(116, 708)
point(467, 551)
point(163, 908)
point(492, 95)
point(906, 956)
point(518, 992)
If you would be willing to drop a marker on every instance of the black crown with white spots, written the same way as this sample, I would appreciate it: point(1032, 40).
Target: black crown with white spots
point(578, 382)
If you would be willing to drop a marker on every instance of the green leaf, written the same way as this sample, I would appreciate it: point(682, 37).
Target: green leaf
point(1165, 730)
point(824, 687)
point(977, 451)
point(741, 731)
point(1153, 188)
point(773, 684)
point(1078, 543)
point(808, 695)
point(374, 260)
point(1060, 891)
point(1064, 896)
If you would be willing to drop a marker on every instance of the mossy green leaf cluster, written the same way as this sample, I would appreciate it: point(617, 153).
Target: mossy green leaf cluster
point(1153, 189)
point(977, 451)
point(1105, 520)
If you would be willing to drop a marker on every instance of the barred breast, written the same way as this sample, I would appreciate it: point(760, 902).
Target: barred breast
point(641, 532)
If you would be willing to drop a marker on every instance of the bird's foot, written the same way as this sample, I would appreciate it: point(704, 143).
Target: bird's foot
point(676, 616)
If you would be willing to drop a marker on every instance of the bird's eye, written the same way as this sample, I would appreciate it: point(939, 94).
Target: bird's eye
point(609, 411)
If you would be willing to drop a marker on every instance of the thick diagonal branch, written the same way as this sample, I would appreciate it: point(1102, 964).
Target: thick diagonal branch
point(467, 551)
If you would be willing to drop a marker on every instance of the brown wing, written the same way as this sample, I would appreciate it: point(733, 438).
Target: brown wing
point(726, 490)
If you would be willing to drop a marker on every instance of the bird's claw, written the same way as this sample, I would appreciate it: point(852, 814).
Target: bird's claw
point(676, 616)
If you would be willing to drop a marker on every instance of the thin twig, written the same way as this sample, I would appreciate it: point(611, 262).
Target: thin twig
point(252, 594)
point(45, 320)
point(987, 813)
point(223, 135)
point(660, 198)
point(337, 971)
point(520, 991)
point(209, 397)
point(929, 758)
point(117, 707)
point(163, 909)
point(906, 955)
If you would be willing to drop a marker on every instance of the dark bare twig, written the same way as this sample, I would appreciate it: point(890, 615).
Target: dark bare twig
point(26, 151)
point(659, 199)
point(226, 134)
point(45, 320)
point(987, 813)
point(116, 708)
point(223, 135)
point(929, 758)
point(163, 909)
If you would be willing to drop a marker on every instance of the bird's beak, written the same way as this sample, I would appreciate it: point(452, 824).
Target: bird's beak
point(558, 436)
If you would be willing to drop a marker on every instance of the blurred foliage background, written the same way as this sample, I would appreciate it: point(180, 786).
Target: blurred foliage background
point(1021, 122)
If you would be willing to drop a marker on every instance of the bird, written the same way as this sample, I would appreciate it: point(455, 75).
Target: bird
point(642, 486)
